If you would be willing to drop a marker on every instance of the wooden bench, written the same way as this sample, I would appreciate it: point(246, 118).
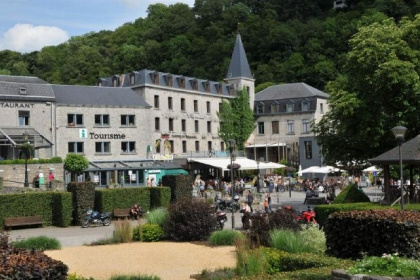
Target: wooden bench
point(23, 221)
point(316, 200)
point(122, 213)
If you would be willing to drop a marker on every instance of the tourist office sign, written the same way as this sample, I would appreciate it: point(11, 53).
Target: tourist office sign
point(83, 134)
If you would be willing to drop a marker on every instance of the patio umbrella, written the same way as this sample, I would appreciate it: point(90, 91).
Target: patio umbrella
point(372, 169)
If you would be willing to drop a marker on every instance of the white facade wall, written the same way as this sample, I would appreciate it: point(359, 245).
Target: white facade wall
point(206, 139)
point(95, 133)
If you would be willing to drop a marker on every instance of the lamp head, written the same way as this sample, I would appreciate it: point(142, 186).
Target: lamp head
point(399, 132)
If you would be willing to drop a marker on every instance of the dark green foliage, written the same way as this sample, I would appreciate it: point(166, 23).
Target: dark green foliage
point(262, 223)
point(351, 194)
point(16, 264)
point(151, 233)
point(190, 220)
point(83, 194)
point(40, 243)
point(32, 161)
point(225, 237)
point(159, 197)
point(62, 209)
point(373, 232)
point(280, 261)
point(180, 185)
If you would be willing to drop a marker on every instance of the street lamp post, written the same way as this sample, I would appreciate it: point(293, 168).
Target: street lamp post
point(232, 143)
point(25, 140)
point(399, 132)
point(258, 175)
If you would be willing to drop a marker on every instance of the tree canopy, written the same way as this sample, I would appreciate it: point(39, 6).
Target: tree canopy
point(379, 89)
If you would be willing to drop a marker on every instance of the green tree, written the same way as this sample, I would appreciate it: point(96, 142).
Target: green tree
point(75, 164)
point(379, 90)
point(236, 120)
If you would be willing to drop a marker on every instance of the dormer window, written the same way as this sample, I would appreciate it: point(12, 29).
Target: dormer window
point(132, 79)
point(22, 91)
point(260, 109)
point(169, 80)
point(115, 81)
point(155, 78)
point(181, 81)
point(99, 83)
point(305, 105)
point(194, 84)
point(207, 86)
point(231, 89)
point(275, 108)
point(290, 107)
point(218, 88)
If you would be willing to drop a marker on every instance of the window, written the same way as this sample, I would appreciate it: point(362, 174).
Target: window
point(207, 86)
point(231, 90)
point(128, 120)
point(194, 84)
point(290, 127)
point(102, 147)
point(197, 146)
point(321, 108)
point(219, 88)
point(76, 147)
point(196, 126)
point(102, 120)
point(128, 147)
point(260, 109)
point(23, 118)
point(184, 147)
point(157, 124)
point(172, 146)
point(222, 146)
point(305, 106)
point(75, 119)
point(156, 78)
point(182, 82)
point(157, 146)
point(182, 104)
point(170, 103)
point(208, 107)
point(115, 82)
point(183, 125)
point(195, 105)
point(275, 127)
point(275, 108)
point(260, 128)
point(209, 127)
point(209, 146)
point(169, 81)
point(171, 124)
point(156, 101)
point(290, 107)
point(305, 126)
point(308, 149)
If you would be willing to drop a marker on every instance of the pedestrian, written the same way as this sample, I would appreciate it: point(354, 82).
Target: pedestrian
point(269, 201)
point(148, 182)
point(250, 199)
point(266, 205)
point(308, 194)
point(246, 211)
point(154, 184)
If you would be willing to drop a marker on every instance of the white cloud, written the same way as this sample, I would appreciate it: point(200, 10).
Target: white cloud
point(27, 38)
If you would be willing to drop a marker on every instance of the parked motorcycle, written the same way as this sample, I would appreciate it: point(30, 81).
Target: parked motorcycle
point(96, 218)
point(227, 205)
point(307, 217)
point(221, 219)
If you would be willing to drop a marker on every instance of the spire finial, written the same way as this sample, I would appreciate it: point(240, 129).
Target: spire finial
point(239, 25)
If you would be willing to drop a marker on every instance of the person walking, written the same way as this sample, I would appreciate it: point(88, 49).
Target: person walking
point(250, 199)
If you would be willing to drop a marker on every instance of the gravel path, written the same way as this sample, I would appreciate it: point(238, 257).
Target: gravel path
point(168, 260)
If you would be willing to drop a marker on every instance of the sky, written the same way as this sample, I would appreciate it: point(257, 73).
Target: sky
point(30, 25)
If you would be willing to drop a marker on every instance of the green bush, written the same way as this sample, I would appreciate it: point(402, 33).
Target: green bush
point(225, 237)
point(314, 238)
point(40, 243)
point(136, 233)
point(310, 240)
point(134, 277)
point(190, 220)
point(387, 265)
point(248, 262)
point(151, 233)
point(351, 194)
point(158, 216)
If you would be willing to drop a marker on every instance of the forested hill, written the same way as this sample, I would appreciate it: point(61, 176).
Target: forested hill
point(285, 40)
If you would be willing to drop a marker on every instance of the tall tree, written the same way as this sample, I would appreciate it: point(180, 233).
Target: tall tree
point(379, 90)
point(237, 119)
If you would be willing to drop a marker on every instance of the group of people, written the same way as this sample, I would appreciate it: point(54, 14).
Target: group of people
point(135, 212)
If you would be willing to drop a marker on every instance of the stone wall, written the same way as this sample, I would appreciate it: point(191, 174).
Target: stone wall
point(14, 174)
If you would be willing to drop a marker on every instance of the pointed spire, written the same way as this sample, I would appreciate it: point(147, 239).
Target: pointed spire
point(239, 66)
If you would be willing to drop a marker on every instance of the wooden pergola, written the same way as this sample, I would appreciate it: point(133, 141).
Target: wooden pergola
point(410, 153)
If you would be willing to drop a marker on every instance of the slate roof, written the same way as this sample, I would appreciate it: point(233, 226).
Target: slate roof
point(25, 88)
point(410, 153)
point(239, 67)
point(97, 96)
point(293, 90)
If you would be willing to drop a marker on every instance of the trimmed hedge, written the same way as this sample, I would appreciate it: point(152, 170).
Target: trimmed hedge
point(351, 194)
point(106, 200)
point(55, 207)
point(373, 233)
point(83, 199)
point(32, 161)
point(181, 185)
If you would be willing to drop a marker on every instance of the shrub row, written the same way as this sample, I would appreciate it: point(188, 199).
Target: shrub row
point(32, 161)
point(55, 207)
point(180, 185)
point(373, 232)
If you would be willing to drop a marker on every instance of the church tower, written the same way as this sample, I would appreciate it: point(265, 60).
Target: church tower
point(239, 72)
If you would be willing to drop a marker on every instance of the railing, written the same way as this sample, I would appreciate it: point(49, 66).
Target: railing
point(209, 154)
